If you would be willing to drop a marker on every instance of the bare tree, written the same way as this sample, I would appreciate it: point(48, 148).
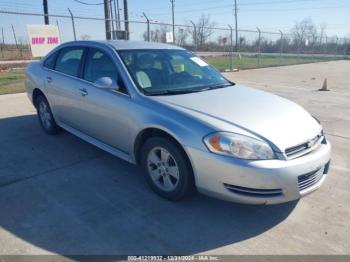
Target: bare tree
point(203, 30)
point(85, 37)
point(157, 35)
point(242, 41)
point(302, 31)
point(323, 27)
point(154, 36)
point(181, 36)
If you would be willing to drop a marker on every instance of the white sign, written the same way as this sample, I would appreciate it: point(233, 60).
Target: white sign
point(198, 61)
point(169, 37)
point(43, 38)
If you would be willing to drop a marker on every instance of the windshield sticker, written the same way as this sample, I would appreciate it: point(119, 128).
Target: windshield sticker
point(198, 61)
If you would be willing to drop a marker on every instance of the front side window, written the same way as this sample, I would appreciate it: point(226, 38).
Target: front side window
point(98, 65)
point(158, 72)
point(68, 60)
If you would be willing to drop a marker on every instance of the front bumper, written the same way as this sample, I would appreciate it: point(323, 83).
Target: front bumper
point(259, 182)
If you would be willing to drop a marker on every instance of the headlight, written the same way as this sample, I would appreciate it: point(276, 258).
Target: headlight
point(239, 146)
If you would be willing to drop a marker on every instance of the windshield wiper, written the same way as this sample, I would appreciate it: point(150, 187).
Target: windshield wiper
point(218, 86)
point(186, 91)
point(174, 92)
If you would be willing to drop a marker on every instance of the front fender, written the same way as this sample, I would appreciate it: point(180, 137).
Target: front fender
point(184, 129)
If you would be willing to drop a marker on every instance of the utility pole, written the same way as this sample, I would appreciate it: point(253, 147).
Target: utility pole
point(172, 11)
point(112, 18)
point(107, 19)
point(148, 27)
point(116, 14)
point(46, 12)
point(126, 19)
point(236, 29)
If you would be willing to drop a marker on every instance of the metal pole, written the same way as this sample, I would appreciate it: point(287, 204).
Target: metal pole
point(172, 11)
point(14, 36)
point(46, 12)
point(259, 45)
point(345, 45)
point(281, 47)
point(231, 48)
point(236, 26)
point(148, 28)
point(115, 15)
point(336, 45)
point(59, 30)
point(73, 24)
point(194, 35)
point(326, 45)
point(126, 18)
point(112, 18)
point(118, 14)
point(3, 42)
point(107, 19)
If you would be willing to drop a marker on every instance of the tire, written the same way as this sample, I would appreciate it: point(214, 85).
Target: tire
point(167, 168)
point(45, 116)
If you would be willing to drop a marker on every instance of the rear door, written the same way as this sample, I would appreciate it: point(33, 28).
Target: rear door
point(64, 87)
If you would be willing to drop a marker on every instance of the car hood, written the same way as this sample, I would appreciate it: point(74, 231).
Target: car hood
point(278, 120)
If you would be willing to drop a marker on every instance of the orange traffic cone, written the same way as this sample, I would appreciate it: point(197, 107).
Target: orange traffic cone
point(324, 86)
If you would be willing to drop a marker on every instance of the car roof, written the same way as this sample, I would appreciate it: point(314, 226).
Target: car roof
point(126, 44)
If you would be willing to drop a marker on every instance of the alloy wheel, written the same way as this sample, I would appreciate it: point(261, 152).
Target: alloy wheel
point(45, 115)
point(163, 169)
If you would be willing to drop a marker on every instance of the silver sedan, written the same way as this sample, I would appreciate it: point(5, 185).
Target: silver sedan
point(187, 126)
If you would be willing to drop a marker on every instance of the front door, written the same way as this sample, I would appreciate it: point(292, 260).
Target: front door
point(105, 114)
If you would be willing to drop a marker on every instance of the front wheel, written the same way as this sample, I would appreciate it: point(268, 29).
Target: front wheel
point(167, 168)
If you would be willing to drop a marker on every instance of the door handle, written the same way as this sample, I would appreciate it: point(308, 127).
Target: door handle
point(49, 79)
point(83, 92)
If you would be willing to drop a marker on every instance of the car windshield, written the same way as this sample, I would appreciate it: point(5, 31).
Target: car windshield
point(164, 72)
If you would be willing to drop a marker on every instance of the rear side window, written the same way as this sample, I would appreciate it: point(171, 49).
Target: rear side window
point(50, 61)
point(69, 59)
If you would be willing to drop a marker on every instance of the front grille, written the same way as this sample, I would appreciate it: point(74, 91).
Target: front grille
point(254, 192)
point(310, 179)
point(305, 148)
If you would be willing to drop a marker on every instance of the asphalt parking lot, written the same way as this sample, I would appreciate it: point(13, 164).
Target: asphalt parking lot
point(60, 195)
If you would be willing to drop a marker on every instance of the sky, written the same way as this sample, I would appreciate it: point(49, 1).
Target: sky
point(268, 15)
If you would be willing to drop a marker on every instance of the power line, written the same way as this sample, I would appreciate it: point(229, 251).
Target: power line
point(257, 10)
point(297, 9)
point(102, 19)
point(30, 7)
point(85, 3)
point(215, 6)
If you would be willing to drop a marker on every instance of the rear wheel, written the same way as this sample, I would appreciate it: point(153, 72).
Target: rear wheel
point(45, 116)
point(167, 169)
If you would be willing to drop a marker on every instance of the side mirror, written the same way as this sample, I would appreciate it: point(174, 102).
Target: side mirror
point(106, 83)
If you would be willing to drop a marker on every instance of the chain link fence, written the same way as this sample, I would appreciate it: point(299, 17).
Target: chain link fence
point(218, 45)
